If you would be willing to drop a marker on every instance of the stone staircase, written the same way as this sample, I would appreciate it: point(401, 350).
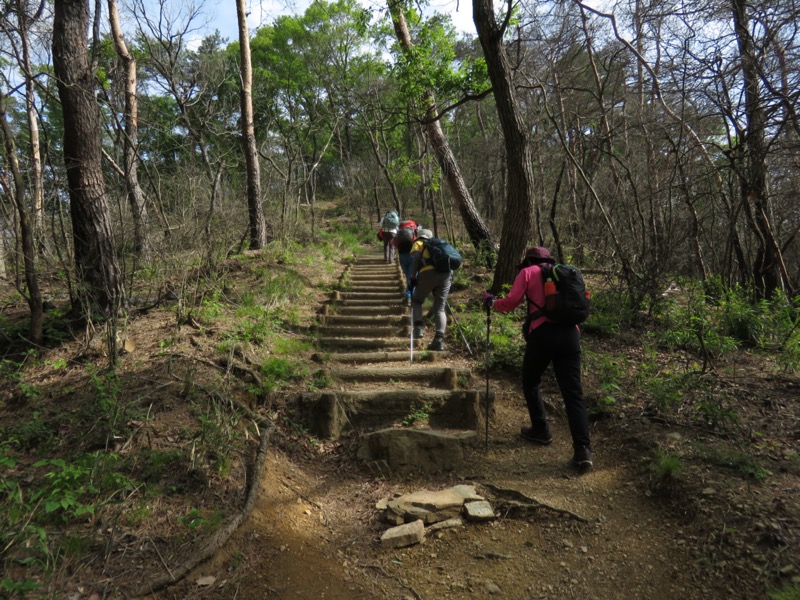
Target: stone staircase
point(411, 409)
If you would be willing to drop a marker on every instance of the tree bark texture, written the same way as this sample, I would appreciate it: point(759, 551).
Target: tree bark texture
point(477, 230)
point(519, 203)
point(25, 224)
point(768, 266)
point(95, 257)
point(130, 142)
point(36, 177)
point(258, 224)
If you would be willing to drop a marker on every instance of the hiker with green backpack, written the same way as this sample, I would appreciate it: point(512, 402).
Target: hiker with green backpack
point(433, 263)
point(389, 224)
point(557, 302)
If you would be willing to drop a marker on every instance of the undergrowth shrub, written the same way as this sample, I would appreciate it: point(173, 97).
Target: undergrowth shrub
point(692, 324)
point(665, 470)
point(506, 343)
point(278, 372)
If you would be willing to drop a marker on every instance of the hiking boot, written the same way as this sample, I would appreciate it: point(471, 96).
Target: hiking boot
point(419, 331)
point(437, 345)
point(544, 438)
point(582, 458)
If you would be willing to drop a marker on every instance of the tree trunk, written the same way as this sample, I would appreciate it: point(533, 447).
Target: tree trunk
point(768, 265)
point(34, 294)
point(519, 205)
point(95, 257)
point(36, 177)
point(258, 224)
point(476, 229)
point(130, 142)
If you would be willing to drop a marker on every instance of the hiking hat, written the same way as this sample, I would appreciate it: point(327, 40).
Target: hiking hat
point(425, 234)
point(535, 255)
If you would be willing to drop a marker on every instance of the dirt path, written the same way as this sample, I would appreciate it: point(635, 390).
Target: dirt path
point(315, 530)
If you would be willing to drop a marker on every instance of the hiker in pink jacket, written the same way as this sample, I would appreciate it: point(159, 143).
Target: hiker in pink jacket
point(548, 342)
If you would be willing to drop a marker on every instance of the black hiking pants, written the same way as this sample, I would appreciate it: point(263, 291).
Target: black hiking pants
point(561, 345)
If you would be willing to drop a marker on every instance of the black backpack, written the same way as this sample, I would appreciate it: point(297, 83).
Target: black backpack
point(566, 299)
point(444, 257)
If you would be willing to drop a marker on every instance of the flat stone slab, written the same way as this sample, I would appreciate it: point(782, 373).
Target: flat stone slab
point(404, 535)
point(479, 511)
point(437, 509)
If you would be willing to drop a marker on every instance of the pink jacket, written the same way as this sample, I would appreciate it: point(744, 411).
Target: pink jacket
point(528, 284)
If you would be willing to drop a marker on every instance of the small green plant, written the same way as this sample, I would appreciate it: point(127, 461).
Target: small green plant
point(216, 436)
point(195, 519)
point(68, 484)
point(106, 412)
point(291, 346)
point(790, 592)
point(420, 412)
point(741, 462)
point(192, 519)
point(277, 372)
point(665, 470)
point(713, 412)
point(693, 325)
point(29, 433)
point(322, 379)
point(666, 466)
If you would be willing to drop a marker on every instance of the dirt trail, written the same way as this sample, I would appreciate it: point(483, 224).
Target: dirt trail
point(314, 532)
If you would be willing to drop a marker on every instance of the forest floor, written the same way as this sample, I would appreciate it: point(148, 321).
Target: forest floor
point(721, 522)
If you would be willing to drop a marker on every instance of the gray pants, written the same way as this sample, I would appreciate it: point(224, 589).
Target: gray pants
point(388, 249)
point(439, 284)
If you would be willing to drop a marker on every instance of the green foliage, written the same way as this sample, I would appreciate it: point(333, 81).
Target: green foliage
point(214, 441)
point(790, 591)
point(713, 412)
point(28, 433)
point(666, 466)
point(322, 379)
point(693, 325)
point(420, 412)
point(17, 588)
point(291, 346)
point(610, 371)
point(153, 466)
point(741, 462)
point(279, 372)
point(506, 342)
point(610, 312)
point(105, 412)
point(665, 470)
point(192, 519)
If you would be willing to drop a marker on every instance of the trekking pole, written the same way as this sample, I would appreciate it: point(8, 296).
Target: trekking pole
point(488, 329)
point(461, 331)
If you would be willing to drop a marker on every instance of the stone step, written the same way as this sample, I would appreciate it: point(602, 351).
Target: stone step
point(369, 277)
point(329, 415)
point(368, 343)
point(366, 320)
point(448, 377)
point(390, 287)
point(386, 310)
point(396, 300)
point(420, 356)
point(362, 295)
point(364, 332)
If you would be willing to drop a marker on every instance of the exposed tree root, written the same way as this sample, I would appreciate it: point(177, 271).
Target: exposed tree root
point(222, 535)
point(516, 500)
